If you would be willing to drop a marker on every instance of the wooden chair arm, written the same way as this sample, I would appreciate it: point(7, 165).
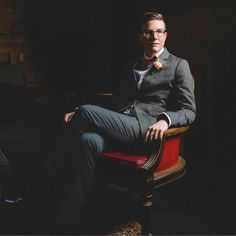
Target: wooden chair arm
point(175, 131)
point(156, 155)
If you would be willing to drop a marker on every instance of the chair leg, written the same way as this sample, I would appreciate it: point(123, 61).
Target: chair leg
point(146, 215)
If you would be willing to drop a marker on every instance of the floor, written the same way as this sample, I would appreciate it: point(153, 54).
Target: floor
point(181, 208)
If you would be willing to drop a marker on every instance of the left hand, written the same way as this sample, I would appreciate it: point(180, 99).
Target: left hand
point(68, 116)
point(156, 131)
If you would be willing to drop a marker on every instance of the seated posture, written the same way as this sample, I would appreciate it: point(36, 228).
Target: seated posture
point(156, 94)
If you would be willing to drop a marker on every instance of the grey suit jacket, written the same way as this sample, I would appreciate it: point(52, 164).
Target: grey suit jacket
point(169, 90)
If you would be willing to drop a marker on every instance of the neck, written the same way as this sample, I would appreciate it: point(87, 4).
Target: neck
point(152, 54)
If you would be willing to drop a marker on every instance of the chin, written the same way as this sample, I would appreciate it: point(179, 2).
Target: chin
point(155, 50)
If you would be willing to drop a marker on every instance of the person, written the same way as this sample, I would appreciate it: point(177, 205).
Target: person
point(159, 95)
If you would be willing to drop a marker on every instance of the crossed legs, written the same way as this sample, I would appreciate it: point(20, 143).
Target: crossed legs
point(92, 130)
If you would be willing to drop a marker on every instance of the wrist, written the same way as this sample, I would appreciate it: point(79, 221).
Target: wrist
point(165, 118)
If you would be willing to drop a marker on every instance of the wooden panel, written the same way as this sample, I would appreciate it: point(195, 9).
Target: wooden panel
point(5, 58)
point(11, 11)
point(13, 41)
point(14, 47)
point(11, 28)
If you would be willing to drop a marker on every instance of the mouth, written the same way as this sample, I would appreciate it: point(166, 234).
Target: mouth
point(155, 44)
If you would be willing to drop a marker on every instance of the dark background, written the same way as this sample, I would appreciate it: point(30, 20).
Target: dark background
point(79, 46)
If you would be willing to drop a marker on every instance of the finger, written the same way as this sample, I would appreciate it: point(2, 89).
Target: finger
point(155, 137)
point(146, 136)
point(66, 119)
point(69, 118)
point(148, 133)
point(151, 136)
point(161, 134)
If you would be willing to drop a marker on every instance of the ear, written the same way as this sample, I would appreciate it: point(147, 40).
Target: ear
point(166, 35)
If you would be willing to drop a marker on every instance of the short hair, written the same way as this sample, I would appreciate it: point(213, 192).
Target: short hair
point(151, 16)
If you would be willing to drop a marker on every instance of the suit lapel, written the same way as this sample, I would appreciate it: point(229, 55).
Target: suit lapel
point(164, 57)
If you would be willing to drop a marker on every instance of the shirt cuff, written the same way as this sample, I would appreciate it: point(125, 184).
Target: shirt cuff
point(167, 118)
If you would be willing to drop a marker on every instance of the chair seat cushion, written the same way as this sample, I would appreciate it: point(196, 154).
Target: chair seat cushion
point(137, 160)
point(169, 156)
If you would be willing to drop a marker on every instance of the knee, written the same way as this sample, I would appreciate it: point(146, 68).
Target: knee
point(93, 141)
point(81, 119)
point(85, 110)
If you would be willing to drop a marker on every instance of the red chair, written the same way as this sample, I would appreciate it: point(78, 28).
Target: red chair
point(140, 175)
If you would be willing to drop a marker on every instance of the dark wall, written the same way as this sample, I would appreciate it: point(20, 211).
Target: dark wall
point(77, 43)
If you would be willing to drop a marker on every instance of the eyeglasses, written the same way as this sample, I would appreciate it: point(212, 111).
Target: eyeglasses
point(149, 33)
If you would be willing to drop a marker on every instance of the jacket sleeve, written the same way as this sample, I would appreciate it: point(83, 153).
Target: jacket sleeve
point(183, 106)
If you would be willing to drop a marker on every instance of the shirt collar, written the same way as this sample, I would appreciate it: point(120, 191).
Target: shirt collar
point(158, 54)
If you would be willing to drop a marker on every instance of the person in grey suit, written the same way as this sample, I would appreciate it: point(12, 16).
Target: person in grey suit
point(157, 94)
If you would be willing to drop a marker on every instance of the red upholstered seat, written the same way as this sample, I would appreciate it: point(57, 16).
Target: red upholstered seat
point(169, 157)
point(137, 160)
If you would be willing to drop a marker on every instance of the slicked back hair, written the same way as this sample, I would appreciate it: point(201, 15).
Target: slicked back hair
point(151, 16)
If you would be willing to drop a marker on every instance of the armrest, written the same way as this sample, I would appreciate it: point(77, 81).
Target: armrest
point(156, 154)
point(175, 131)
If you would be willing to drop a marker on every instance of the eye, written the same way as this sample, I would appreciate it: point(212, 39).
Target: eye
point(159, 32)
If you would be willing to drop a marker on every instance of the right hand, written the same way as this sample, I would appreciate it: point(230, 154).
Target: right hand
point(156, 131)
point(68, 116)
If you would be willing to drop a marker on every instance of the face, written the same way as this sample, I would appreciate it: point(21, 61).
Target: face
point(153, 36)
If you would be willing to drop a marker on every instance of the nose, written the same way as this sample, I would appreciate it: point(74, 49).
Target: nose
point(154, 35)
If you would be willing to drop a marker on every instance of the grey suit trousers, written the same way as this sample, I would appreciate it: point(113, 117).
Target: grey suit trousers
point(94, 129)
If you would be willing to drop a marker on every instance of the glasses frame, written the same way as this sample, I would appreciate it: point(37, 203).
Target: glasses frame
point(149, 33)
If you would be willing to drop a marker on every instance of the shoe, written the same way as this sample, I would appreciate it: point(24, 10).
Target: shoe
point(16, 198)
point(13, 200)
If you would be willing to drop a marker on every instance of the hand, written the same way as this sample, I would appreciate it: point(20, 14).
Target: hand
point(68, 116)
point(156, 131)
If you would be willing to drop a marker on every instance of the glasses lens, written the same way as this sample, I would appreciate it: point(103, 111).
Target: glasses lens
point(158, 32)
